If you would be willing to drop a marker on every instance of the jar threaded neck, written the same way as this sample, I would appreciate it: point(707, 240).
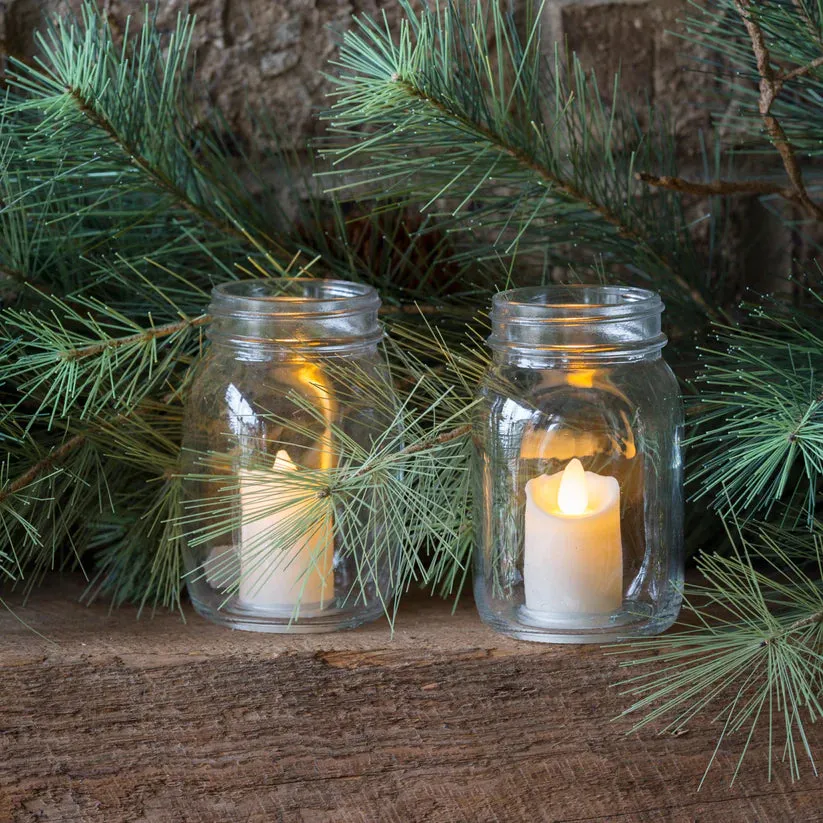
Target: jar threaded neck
point(296, 312)
point(576, 321)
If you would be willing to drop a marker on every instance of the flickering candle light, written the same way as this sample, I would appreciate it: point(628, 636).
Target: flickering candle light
point(273, 574)
point(573, 561)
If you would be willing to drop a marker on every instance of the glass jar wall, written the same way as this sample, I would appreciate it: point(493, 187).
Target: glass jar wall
point(578, 510)
point(269, 405)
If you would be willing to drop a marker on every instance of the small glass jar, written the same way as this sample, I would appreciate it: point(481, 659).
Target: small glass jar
point(275, 398)
point(579, 505)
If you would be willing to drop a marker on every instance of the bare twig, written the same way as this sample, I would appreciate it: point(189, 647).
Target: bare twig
point(801, 71)
point(771, 83)
point(715, 187)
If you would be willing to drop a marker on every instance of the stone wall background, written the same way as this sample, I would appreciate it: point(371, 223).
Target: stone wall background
point(271, 53)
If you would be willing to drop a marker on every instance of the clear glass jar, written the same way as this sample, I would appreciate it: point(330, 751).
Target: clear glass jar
point(274, 399)
point(579, 505)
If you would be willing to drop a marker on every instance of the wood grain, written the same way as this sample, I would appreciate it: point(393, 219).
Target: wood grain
point(155, 721)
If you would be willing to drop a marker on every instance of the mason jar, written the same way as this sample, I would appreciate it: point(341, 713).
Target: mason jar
point(292, 390)
point(577, 433)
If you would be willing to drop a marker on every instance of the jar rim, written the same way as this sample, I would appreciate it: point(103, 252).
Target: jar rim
point(292, 298)
point(576, 301)
point(577, 321)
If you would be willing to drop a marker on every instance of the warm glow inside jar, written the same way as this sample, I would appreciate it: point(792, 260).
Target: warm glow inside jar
point(579, 507)
point(277, 390)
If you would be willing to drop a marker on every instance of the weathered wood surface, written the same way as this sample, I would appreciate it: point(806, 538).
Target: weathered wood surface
point(153, 721)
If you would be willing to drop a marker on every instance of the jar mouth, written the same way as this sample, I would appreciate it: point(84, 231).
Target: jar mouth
point(292, 298)
point(565, 303)
point(577, 321)
point(295, 313)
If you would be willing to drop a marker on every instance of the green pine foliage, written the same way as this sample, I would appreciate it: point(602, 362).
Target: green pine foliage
point(464, 154)
point(525, 154)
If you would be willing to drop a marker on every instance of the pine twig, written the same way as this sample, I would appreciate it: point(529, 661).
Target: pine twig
point(715, 187)
point(140, 337)
point(48, 462)
point(441, 439)
point(169, 329)
point(771, 84)
point(808, 620)
point(801, 71)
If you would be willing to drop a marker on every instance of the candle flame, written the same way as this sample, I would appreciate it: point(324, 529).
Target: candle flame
point(283, 462)
point(573, 496)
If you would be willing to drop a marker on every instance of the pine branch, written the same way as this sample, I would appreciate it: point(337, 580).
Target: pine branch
point(179, 196)
point(753, 661)
point(137, 339)
point(529, 162)
point(547, 175)
point(761, 417)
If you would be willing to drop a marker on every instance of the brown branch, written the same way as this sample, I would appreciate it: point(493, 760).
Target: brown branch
point(566, 188)
point(48, 462)
point(141, 162)
point(715, 187)
point(427, 309)
point(446, 437)
point(771, 83)
point(801, 71)
point(139, 337)
point(808, 620)
point(20, 278)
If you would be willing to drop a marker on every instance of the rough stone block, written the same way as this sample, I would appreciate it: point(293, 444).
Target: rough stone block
point(637, 39)
point(250, 53)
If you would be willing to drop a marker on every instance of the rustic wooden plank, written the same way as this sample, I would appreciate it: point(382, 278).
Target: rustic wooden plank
point(115, 719)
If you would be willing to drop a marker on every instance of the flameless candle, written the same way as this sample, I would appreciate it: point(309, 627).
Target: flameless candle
point(573, 553)
point(277, 578)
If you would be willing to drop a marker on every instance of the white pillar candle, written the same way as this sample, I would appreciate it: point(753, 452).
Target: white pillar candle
point(275, 576)
point(573, 553)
